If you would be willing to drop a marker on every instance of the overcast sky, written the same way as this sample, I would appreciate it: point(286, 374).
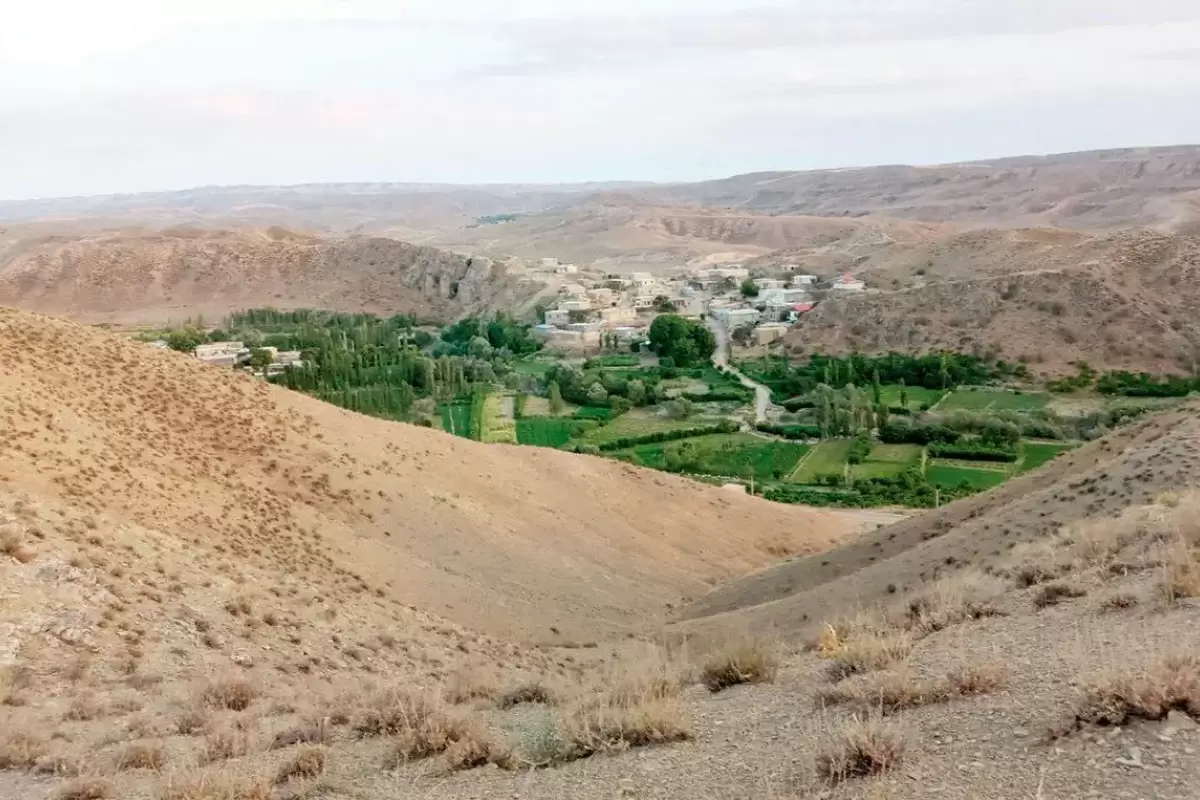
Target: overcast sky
point(132, 95)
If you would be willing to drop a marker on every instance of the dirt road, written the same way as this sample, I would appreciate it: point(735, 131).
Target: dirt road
point(762, 395)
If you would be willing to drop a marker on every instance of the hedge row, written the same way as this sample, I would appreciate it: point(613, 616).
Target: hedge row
point(902, 432)
point(972, 451)
point(791, 431)
point(717, 396)
point(724, 426)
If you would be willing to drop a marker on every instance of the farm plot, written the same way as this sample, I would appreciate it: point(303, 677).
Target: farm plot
point(950, 475)
point(639, 422)
point(888, 461)
point(456, 419)
point(988, 400)
point(827, 458)
point(498, 428)
point(1035, 454)
point(547, 431)
point(918, 396)
point(735, 455)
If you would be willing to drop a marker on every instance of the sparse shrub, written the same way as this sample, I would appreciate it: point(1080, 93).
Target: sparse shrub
point(192, 721)
point(637, 709)
point(208, 787)
point(463, 687)
point(465, 741)
point(83, 708)
point(387, 712)
point(888, 692)
point(1118, 601)
point(863, 747)
point(309, 732)
point(234, 694)
point(869, 651)
point(1052, 594)
point(308, 763)
point(542, 740)
point(86, 789)
point(225, 743)
point(974, 679)
point(1149, 692)
point(20, 750)
point(12, 545)
point(745, 662)
point(533, 692)
point(1181, 572)
point(141, 755)
point(967, 595)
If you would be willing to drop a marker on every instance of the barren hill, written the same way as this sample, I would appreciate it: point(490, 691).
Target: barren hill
point(1120, 302)
point(155, 276)
point(1095, 190)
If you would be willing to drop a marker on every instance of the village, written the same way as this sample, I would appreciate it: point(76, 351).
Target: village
point(594, 308)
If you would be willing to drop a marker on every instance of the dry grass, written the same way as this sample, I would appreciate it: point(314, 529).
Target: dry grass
point(863, 747)
point(141, 755)
point(12, 544)
point(532, 692)
point(1118, 601)
point(1181, 571)
point(465, 741)
point(225, 743)
point(466, 686)
point(314, 731)
point(20, 750)
point(744, 662)
point(14, 682)
point(86, 789)
point(234, 694)
point(630, 711)
point(967, 595)
point(306, 764)
point(870, 651)
point(1150, 692)
point(1051, 594)
point(888, 692)
point(390, 711)
point(209, 787)
point(192, 721)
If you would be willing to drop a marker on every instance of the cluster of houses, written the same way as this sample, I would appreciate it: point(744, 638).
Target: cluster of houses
point(593, 308)
point(236, 355)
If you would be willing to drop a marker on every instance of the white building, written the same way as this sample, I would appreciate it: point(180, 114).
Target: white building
point(783, 296)
point(549, 263)
point(617, 314)
point(769, 332)
point(602, 296)
point(575, 305)
point(566, 269)
point(848, 283)
point(734, 271)
point(768, 283)
point(737, 317)
point(558, 318)
point(800, 281)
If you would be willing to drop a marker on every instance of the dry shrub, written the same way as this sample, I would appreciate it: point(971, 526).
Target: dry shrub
point(141, 755)
point(1031, 563)
point(225, 743)
point(314, 731)
point(744, 662)
point(389, 711)
point(20, 750)
point(234, 694)
point(888, 692)
point(1052, 594)
point(466, 686)
point(532, 692)
point(308, 763)
point(1150, 692)
point(58, 764)
point(870, 651)
point(1118, 601)
point(207, 787)
point(192, 721)
point(1181, 572)
point(14, 681)
point(863, 747)
point(83, 708)
point(633, 711)
point(13, 545)
point(465, 740)
point(968, 595)
point(85, 789)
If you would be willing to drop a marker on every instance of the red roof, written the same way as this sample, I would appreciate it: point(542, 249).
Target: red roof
point(803, 307)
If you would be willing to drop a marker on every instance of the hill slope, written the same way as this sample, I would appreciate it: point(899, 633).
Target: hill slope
point(1119, 302)
point(148, 277)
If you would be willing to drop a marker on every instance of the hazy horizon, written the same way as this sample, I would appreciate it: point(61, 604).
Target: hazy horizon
point(130, 97)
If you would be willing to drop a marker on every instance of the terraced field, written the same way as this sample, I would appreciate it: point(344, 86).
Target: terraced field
point(888, 461)
point(989, 400)
point(734, 455)
point(827, 458)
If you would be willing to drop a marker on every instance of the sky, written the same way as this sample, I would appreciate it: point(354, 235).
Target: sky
point(140, 95)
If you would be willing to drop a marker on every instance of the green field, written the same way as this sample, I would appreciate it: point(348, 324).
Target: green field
point(827, 458)
point(1035, 454)
point(640, 422)
point(967, 400)
point(735, 455)
point(950, 475)
point(545, 431)
point(532, 367)
point(497, 429)
point(917, 395)
point(888, 460)
point(456, 419)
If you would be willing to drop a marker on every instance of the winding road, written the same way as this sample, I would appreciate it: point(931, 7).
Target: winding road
point(720, 358)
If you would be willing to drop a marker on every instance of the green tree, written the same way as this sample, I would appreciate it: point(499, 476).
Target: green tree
point(686, 342)
point(597, 395)
point(903, 394)
point(636, 392)
point(259, 359)
point(748, 288)
point(556, 400)
point(663, 303)
point(680, 408)
point(185, 339)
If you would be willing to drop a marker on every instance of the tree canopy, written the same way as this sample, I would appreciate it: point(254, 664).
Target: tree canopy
point(686, 342)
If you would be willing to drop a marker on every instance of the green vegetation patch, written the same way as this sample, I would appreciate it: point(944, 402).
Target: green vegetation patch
point(917, 396)
point(888, 461)
point(735, 455)
point(456, 419)
point(987, 400)
point(637, 423)
point(534, 366)
point(827, 458)
point(547, 431)
point(496, 428)
point(1035, 454)
point(951, 476)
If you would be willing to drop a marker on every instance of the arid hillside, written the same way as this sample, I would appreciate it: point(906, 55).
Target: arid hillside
point(1096, 190)
point(140, 276)
point(1120, 302)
